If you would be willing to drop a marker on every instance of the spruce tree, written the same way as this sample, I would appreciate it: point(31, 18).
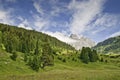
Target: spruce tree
point(84, 55)
point(47, 57)
point(14, 56)
point(88, 55)
point(0, 37)
point(37, 48)
point(95, 56)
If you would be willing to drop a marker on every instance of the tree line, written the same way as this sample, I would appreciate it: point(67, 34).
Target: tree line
point(87, 55)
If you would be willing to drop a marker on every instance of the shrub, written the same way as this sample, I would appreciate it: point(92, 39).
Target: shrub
point(64, 60)
point(14, 56)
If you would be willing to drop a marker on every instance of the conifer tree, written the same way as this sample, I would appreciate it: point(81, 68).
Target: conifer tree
point(47, 57)
point(37, 48)
point(84, 55)
point(88, 55)
point(0, 37)
point(95, 56)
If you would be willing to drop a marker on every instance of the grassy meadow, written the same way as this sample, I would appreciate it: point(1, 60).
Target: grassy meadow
point(69, 70)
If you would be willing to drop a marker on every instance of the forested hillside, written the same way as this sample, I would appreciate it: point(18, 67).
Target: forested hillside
point(38, 49)
point(19, 39)
point(111, 45)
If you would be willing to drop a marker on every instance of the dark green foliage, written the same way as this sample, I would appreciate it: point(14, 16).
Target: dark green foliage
point(47, 57)
point(0, 37)
point(59, 58)
point(102, 60)
point(35, 63)
point(84, 55)
point(14, 56)
point(36, 49)
point(85, 58)
point(106, 61)
point(88, 55)
point(95, 56)
point(43, 59)
point(30, 61)
point(25, 57)
point(64, 60)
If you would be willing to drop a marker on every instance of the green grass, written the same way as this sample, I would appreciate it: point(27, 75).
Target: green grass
point(65, 72)
point(70, 70)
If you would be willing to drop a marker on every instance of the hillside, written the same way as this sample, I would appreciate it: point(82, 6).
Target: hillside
point(111, 45)
point(22, 40)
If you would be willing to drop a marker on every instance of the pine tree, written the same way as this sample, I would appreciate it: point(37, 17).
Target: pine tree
point(47, 57)
point(25, 57)
point(0, 37)
point(86, 58)
point(88, 55)
point(14, 56)
point(35, 63)
point(95, 56)
point(84, 55)
point(37, 48)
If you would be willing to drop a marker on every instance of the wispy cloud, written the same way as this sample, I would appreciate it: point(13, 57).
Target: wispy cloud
point(38, 7)
point(60, 35)
point(40, 23)
point(83, 13)
point(47, 18)
point(5, 15)
point(20, 18)
point(115, 34)
point(25, 24)
point(105, 21)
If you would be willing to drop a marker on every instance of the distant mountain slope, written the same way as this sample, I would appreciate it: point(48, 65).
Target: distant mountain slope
point(81, 41)
point(111, 45)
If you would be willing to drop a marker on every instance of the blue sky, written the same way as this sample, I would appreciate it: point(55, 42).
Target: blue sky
point(95, 19)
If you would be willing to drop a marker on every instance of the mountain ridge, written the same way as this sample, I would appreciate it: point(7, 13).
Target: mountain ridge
point(81, 41)
point(110, 45)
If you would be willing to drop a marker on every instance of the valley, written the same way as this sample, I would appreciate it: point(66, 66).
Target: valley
point(37, 56)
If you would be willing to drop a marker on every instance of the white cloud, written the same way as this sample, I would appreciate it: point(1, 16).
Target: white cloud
point(115, 34)
point(107, 20)
point(60, 36)
point(40, 23)
point(55, 11)
point(5, 16)
point(20, 18)
point(25, 24)
point(38, 7)
point(83, 13)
